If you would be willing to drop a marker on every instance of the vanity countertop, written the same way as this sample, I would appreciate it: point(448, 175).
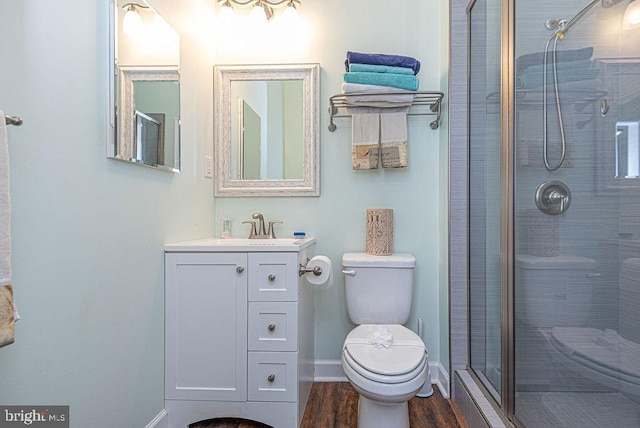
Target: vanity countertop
point(240, 245)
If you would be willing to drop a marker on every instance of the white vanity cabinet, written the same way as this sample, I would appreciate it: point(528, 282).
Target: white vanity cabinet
point(239, 331)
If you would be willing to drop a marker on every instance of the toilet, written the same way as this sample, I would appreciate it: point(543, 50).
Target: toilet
point(385, 362)
point(556, 295)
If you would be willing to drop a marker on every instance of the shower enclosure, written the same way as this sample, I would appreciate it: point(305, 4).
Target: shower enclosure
point(554, 210)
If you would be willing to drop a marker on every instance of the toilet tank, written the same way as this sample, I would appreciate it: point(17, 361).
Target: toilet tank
point(554, 291)
point(378, 289)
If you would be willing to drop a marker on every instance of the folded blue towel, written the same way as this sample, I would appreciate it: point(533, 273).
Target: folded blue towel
point(537, 58)
point(401, 81)
point(382, 59)
point(374, 68)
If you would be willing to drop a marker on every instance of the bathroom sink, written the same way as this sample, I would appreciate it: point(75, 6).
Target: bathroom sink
point(241, 244)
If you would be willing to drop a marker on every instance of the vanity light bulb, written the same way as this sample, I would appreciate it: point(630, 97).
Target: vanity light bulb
point(631, 17)
point(132, 23)
point(290, 13)
point(226, 14)
point(258, 15)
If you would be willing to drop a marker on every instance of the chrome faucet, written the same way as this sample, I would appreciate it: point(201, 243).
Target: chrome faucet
point(258, 231)
point(260, 218)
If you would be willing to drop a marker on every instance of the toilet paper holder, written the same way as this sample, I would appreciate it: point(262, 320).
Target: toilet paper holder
point(317, 271)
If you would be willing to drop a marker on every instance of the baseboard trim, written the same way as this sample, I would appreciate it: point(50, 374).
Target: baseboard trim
point(160, 421)
point(331, 371)
point(442, 380)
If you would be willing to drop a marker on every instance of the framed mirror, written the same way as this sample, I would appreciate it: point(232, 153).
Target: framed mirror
point(267, 130)
point(617, 115)
point(146, 87)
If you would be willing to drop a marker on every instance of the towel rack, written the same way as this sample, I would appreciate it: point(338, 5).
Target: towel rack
point(425, 103)
point(13, 120)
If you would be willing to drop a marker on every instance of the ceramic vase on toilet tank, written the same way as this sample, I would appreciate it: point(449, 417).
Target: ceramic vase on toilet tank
point(379, 231)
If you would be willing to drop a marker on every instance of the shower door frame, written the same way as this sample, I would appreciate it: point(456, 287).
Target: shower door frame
point(506, 406)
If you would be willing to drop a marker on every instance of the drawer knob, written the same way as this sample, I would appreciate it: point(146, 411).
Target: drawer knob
point(271, 377)
point(271, 327)
point(239, 269)
point(271, 277)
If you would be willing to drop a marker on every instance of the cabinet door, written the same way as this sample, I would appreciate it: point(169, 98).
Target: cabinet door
point(206, 326)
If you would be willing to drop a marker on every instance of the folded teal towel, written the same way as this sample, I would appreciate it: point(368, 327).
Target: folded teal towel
point(400, 81)
point(374, 68)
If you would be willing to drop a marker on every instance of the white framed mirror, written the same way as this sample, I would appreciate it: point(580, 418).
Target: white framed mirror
point(144, 87)
point(267, 130)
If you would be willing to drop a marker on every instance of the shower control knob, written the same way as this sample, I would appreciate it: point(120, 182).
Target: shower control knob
point(553, 197)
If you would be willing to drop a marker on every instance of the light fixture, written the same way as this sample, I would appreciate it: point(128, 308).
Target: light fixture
point(291, 12)
point(132, 21)
point(631, 19)
point(264, 9)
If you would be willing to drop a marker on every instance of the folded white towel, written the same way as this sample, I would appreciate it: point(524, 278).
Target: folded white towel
point(381, 96)
point(393, 139)
point(365, 135)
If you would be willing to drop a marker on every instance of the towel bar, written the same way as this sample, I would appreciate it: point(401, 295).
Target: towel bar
point(13, 120)
point(430, 99)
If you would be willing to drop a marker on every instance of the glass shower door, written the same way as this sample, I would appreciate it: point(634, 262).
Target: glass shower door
point(577, 215)
point(484, 193)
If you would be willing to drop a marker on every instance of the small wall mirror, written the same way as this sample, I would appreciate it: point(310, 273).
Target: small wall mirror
point(146, 94)
point(267, 130)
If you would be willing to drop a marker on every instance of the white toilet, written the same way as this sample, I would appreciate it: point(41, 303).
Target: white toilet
point(384, 361)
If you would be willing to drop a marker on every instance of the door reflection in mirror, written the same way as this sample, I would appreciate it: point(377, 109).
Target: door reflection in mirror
point(627, 150)
point(270, 130)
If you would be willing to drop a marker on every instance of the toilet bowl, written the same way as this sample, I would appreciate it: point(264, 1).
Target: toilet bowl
point(600, 355)
point(386, 377)
point(386, 363)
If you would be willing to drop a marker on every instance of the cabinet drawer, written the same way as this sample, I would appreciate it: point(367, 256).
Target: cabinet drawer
point(272, 326)
point(273, 376)
point(273, 277)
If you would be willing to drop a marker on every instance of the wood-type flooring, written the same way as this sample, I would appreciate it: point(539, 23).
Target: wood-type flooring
point(335, 405)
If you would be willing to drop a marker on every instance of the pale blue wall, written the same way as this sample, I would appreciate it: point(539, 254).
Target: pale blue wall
point(337, 217)
point(89, 231)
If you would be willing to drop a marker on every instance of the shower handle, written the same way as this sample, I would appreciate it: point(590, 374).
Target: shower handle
point(553, 197)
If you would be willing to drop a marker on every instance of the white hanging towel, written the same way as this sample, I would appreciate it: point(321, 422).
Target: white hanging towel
point(365, 135)
point(8, 312)
point(393, 139)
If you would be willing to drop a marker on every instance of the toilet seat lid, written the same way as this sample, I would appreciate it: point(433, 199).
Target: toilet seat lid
point(602, 350)
point(405, 353)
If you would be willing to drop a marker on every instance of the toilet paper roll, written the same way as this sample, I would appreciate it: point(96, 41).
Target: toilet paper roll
point(325, 279)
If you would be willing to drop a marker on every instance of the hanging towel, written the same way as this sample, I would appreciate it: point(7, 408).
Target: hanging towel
point(375, 68)
point(400, 81)
point(365, 132)
point(393, 139)
point(8, 313)
point(382, 59)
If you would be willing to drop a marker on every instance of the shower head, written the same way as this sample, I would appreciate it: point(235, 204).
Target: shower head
point(610, 3)
point(564, 25)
